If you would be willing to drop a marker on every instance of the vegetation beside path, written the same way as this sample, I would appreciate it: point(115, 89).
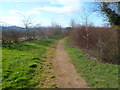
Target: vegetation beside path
point(97, 75)
point(24, 65)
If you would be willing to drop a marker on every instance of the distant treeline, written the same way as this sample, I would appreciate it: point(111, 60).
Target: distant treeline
point(14, 35)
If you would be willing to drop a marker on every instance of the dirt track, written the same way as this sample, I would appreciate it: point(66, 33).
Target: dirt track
point(65, 73)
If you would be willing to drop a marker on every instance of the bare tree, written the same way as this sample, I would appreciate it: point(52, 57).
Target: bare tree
point(85, 16)
point(56, 28)
point(27, 22)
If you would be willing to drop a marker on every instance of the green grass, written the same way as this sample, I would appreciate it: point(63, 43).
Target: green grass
point(23, 64)
point(95, 74)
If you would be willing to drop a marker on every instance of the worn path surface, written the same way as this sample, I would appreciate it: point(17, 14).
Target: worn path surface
point(65, 73)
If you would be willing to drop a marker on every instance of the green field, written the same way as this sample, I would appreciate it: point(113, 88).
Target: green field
point(96, 75)
point(23, 64)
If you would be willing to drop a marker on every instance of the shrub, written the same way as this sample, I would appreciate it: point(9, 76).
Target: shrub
point(97, 42)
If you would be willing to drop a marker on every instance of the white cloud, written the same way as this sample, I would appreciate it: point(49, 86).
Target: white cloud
point(33, 11)
point(46, 0)
point(18, 12)
point(11, 20)
point(24, 0)
point(15, 12)
point(68, 7)
point(15, 17)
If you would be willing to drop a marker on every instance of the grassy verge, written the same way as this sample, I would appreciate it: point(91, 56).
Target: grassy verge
point(96, 75)
point(23, 65)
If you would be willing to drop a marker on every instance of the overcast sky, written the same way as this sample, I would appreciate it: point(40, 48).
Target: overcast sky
point(46, 11)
